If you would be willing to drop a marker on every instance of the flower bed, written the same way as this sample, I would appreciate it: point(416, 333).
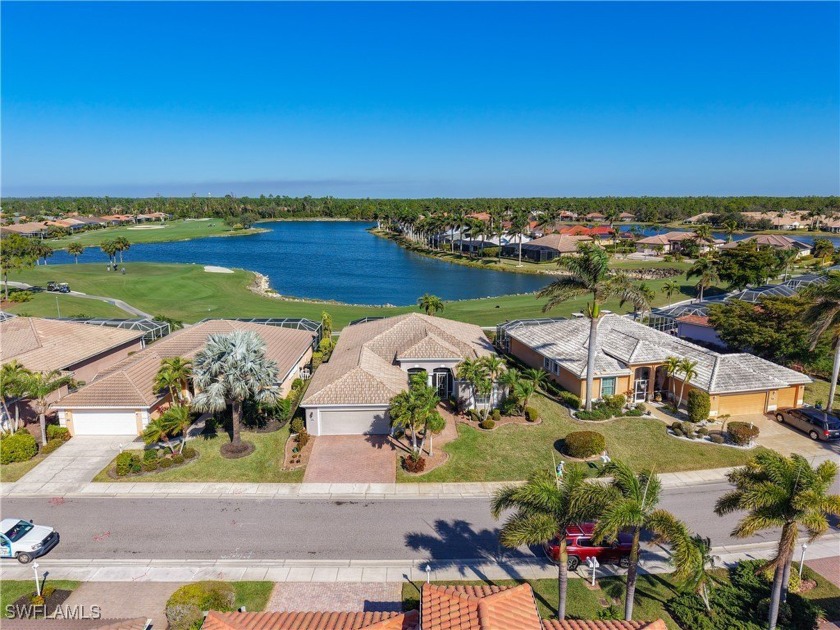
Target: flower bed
point(699, 433)
point(296, 457)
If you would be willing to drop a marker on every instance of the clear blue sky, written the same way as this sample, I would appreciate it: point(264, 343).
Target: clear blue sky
point(411, 100)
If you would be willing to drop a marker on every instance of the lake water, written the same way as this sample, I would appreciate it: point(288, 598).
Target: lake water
point(330, 260)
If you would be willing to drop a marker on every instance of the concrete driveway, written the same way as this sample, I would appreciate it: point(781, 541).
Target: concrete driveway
point(75, 463)
point(125, 600)
point(352, 459)
point(786, 439)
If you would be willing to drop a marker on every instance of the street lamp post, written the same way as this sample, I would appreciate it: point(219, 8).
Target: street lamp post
point(802, 559)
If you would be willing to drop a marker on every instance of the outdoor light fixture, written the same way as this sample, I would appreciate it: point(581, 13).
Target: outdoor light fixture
point(802, 559)
point(428, 574)
point(35, 566)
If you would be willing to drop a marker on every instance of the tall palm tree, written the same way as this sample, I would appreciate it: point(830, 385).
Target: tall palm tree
point(12, 385)
point(627, 502)
point(518, 225)
point(731, 227)
point(229, 369)
point(173, 376)
point(474, 372)
point(589, 273)
point(672, 367)
point(37, 386)
point(122, 246)
point(76, 250)
point(823, 316)
point(781, 492)
point(669, 288)
point(544, 508)
point(414, 409)
point(703, 233)
point(688, 369)
point(110, 249)
point(705, 268)
point(643, 299)
point(431, 304)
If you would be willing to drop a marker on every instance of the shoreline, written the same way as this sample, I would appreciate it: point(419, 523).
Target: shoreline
point(247, 232)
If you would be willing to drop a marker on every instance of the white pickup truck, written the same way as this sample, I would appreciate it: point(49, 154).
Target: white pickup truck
point(24, 540)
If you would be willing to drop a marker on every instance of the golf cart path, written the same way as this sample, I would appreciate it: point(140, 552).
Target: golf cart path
point(128, 308)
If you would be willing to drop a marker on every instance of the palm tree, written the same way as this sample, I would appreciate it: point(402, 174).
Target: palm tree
point(672, 367)
point(37, 386)
point(544, 508)
point(781, 492)
point(627, 502)
point(589, 273)
point(823, 316)
point(705, 268)
point(537, 376)
point(76, 250)
point(414, 409)
point(518, 223)
point(110, 249)
point(645, 297)
point(229, 369)
point(474, 372)
point(669, 288)
point(523, 390)
point(430, 303)
point(703, 233)
point(731, 227)
point(179, 418)
point(494, 364)
point(122, 246)
point(160, 430)
point(688, 369)
point(173, 376)
point(12, 381)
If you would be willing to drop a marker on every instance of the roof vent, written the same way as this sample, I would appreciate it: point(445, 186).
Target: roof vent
point(577, 315)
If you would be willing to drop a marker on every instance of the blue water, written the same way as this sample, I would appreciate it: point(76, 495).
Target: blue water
point(330, 260)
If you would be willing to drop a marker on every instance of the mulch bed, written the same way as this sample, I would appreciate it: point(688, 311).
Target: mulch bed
point(55, 599)
point(296, 461)
point(269, 427)
point(230, 451)
point(504, 420)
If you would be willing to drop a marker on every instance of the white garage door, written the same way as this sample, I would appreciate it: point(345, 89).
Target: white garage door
point(104, 423)
point(355, 422)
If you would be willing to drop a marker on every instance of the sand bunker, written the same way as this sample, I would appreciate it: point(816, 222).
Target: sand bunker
point(215, 269)
point(147, 227)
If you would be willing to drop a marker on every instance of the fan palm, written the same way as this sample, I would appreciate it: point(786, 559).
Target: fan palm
point(628, 502)
point(544, 508)
point(589, 273)
point(781, 492)
point(705, 269)
point(229, 369)
point(37, 386)
point(823, 316)
point(431, 304)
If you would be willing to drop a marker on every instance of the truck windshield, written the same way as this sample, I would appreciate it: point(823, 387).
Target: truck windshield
point(19, 530)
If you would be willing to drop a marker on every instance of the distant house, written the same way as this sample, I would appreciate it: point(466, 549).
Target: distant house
point(697, 328)
point(151, 216)
point(783, 221)
point(626, 216)
point(703, 217)
point(118, 219)
point(595, 216)
point(71, 224)
point(32, 229)
point(775, 241)
point(630, 359)
point(672, 243)
point(372, 363)
point(546, 248)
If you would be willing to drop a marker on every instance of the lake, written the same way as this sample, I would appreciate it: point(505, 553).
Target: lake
point(330, 260)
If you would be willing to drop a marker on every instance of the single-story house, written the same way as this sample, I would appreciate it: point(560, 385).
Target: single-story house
point(671, 243)
point(697, 328)
point(780, 221)
point(546, 248)
point(30, 229)
point(595, 216)
point(626, 216)
point(71, 224)
point(372, 363)
point(703, 217)
point(630, 359)
point(122, 400)
point(776, 241)
point(117, 219)
point(151, 216)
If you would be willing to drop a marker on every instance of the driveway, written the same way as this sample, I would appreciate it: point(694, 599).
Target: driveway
point(349, 596)
point(352, 459)
point(125, 600)
point(786, 440)
point(75, 463)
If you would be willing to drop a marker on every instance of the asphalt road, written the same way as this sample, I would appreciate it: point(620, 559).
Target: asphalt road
point(307, 529)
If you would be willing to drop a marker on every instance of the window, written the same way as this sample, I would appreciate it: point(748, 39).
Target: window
point(547, 364)
point(607, 387)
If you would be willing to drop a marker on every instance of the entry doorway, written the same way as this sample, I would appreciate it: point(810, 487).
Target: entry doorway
point(641, 384)
point(442, 382)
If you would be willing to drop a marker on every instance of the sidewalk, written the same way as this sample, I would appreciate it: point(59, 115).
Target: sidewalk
point(654, 560)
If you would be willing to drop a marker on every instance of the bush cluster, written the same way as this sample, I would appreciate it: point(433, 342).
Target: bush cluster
point(488, 423)
point(531, 414)
point(606, 408)
point(127, 463)
point(583, 444)
point(742, 433)
point(698, 405)
point(303, 439)
point(165, 462)
point(413, 464)
point(490, 252)
point(20, 296)
point(189, 452)
point(18, 447)
point(55, 432)
point(185, 608)
point(298, 425)
point(496, 415)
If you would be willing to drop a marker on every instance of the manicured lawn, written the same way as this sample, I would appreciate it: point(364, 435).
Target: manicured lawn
point(511, 452)
point(180, 230)
point(11, 590)
point(818, 391)
point(263, 465)
point(57, 304)
point(16, 470)
point(252, 595)
point(189, 293)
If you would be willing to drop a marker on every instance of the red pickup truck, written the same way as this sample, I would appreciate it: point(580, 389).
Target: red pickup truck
point(580, 547)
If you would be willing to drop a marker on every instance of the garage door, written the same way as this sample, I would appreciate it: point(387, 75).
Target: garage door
point(786, 398)
point(104, 423)
point(355, 422)
point(742, 404)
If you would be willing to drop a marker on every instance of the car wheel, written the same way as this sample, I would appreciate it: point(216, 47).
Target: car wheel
point(780, 417)
point(624, 563)
point(574, 563)
point(814, 435)
point(24, 558)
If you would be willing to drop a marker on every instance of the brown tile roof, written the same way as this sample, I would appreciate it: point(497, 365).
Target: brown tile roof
point(563, 243)
point(310, 621)
point(479, 608)
point(31, 227)
point(362, 369)
point(130, 383)
point(47, 344)
point(605, 624)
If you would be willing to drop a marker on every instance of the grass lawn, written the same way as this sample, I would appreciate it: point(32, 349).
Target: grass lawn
point(263, 465)
point(252, 595)
point(11, 590)
point(189, 293)
point(512, 451)
point(818, 391)
point(180, 230)
point(62, 305)
point(16, 470)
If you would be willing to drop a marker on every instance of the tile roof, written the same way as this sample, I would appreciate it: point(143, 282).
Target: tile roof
point(664, 239)
point(775, 240)
point(31, 227)
point(363, 367)
point(697, 320)
point(561, 242)
point(48, 344)
point(310, 621)
point(623, 342)
point(130, 382)
point(606, 624)
point(478, 608)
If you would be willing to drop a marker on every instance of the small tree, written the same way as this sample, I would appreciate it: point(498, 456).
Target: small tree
point(173, 376)
point(669, 288)
point(12, 385)
point(431, 304)
point(37, 386)
point(160, 430)
point(413, 410)
point(76, 250)
point(698, 405)
point(326, 325)
point(688, 369)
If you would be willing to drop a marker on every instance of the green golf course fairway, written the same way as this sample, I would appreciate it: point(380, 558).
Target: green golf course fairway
point(190, 294)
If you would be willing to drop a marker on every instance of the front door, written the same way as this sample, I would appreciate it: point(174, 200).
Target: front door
point(641, 390)
point(441, 384)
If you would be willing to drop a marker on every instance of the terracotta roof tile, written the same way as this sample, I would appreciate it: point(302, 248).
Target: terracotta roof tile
point(605, 624)
point(479, 608)
point(310, 621)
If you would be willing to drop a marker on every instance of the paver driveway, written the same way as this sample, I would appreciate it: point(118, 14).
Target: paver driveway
point(75, 463)
point(352, 459)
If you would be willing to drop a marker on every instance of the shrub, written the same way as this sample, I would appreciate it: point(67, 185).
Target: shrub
point(178, 459)
point(150, 465)
point(742, 433)
point(497, 415)
point(317, 359)
point(297, 384)
point(717, 439)
point(20, 296)
point(55, 432)
point(127, 463)
point(568, 399)
point(414, 464)
point(165, 462)
point(678, 432)
point(488, 424)
point(698, 405)
point(19, 447)
point(303, 439)
point(473, 414)
point(635, 412)
point(490, 252)
point(531, 414)
point(583, 444)
point(702, 431)
point(298, 425)
point(185, 608)
point(51, 445)
point(614, 404)
point(676, 425)
point(189, 452)
point(597, 413)
point(150, 455)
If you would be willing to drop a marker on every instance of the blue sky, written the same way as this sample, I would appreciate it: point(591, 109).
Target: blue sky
point(410, 100)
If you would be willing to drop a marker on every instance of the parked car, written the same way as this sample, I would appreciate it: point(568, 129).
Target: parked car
point(58, 287)
point(580, 547)
point(24, 540)
point(817, 423)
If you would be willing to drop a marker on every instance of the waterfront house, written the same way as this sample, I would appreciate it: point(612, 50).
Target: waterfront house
point(630, 359)
point(546, 248)
point(774, 241)
point(30, 229)
point(373, 361)
point(671, 243)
